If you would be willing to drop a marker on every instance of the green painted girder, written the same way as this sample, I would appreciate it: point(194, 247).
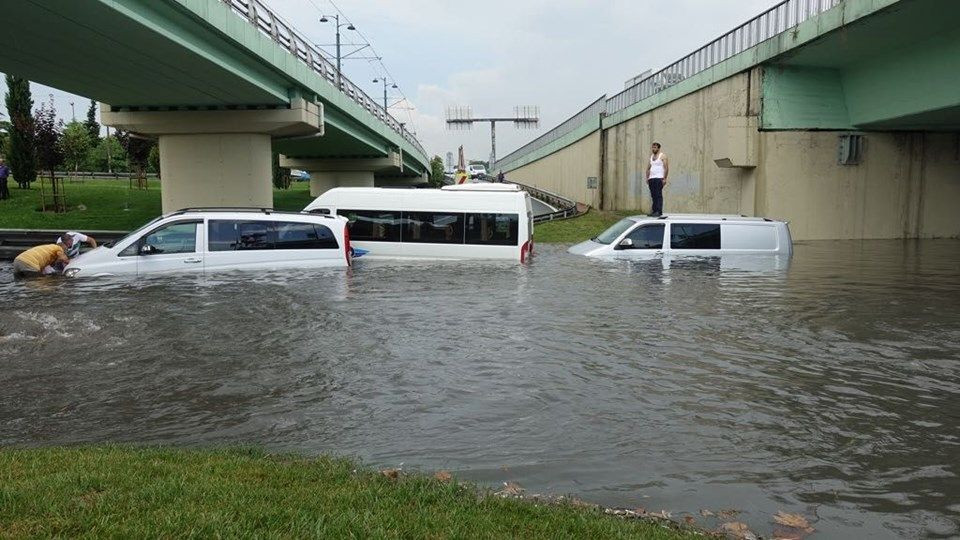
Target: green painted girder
point(173, 53)
point(894, 70)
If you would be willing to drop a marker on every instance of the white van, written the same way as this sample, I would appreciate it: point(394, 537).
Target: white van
point(215, 239)
point(466, 221)
point(689, 234)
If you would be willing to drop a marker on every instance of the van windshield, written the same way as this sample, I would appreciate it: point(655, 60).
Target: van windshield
point(611, 234)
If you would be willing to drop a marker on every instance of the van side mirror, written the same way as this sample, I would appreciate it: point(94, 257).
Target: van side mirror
point(626, 243)
point(147, 249)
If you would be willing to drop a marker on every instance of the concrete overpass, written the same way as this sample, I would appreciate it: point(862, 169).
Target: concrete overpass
point(842, 116)
point(220, 83)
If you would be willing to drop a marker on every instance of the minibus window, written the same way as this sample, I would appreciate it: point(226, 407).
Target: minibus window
point(433, 227)
point(694, 236)
point(231, 235)
point(294, 235)
point(492, 229)
point(373, 225)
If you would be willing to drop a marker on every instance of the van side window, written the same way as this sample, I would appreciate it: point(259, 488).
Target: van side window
point(294, 235)
point(647, 236)
point(492, 229)
point(373, 225)
point(433, 227)
point(230, 235)
point(694, 236)
point(173, 238)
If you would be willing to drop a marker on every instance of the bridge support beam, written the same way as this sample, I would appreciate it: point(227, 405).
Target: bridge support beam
point(218, 158)
point(330, 173)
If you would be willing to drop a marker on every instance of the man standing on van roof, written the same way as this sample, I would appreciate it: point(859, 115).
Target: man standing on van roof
point(31, 262)
point(657, 171)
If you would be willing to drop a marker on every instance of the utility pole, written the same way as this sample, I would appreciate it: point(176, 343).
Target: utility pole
point(523, 118)
point(73, 113)
point(385, 84)
point(350, 26)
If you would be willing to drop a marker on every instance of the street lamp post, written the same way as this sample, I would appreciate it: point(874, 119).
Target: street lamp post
point(323, 19)
point(385, 84)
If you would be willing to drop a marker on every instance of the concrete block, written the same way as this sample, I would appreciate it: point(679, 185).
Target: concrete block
point(735, 142)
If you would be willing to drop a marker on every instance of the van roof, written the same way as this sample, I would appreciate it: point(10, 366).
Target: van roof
point(482, 187)
point(699, 217)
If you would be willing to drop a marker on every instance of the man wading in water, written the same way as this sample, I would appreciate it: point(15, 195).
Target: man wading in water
point(657, 171)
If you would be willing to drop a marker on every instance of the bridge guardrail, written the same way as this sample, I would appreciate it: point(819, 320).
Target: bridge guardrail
point(271, 25)
point(566, 208)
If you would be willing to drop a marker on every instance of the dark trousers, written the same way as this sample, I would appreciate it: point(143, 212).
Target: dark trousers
point(4, 190)
point(656, 193)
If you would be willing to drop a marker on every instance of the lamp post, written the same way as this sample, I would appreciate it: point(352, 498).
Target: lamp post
point(350, 26)
point(385, 84)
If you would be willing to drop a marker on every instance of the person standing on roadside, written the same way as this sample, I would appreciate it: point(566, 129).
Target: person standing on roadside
point(657, 171)
point(4, 177)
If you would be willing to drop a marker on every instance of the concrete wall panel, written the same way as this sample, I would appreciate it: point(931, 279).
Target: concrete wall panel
point(566, 171)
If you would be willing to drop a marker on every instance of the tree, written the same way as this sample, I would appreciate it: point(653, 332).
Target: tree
point(153, 161)
point(138, 152)
point(436, 171)
point(21, 143)
point(91, 125)
point(5, 128)
point(49, 150)
point(97, 160)
point(75, 145)
point(281, 175)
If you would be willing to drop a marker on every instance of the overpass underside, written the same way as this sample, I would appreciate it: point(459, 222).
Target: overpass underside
point(852, 134)
point(220, 89)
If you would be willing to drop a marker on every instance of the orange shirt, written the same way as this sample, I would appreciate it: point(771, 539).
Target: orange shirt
point(40, 256)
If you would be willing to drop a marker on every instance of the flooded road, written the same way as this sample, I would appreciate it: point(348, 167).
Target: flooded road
point(829, 386)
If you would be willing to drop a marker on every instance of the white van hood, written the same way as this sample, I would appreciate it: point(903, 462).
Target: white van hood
point(587, 248)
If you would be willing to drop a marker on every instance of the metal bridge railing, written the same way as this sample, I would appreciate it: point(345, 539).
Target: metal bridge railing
point(590, 114)
point(270, 24)
point(770, 23)
point(566, 208)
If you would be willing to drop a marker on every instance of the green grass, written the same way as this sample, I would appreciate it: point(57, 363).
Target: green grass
point(585, 227)
point(108, 205)
point(127, 492)
point(111, 205)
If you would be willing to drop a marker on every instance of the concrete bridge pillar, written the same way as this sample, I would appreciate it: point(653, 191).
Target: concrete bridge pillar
point(220, 157)
point(330, 173)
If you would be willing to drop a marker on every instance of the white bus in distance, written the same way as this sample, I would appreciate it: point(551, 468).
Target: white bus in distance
point(467, 221)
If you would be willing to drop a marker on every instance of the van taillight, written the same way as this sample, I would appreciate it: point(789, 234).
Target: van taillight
point(347, 250)
point(525, 251)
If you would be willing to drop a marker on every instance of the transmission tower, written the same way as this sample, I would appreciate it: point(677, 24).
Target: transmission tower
point(461, 118)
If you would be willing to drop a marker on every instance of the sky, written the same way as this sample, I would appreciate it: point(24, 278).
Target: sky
point(558, 55)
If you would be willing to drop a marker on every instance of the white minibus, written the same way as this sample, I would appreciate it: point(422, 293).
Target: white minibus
point(467, 221)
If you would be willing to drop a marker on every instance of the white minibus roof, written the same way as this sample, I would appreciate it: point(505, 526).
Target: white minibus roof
point(482, 187)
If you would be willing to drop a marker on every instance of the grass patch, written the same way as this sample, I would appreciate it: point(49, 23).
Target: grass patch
point(578, 229)
point(108, 205)
point(126, 492)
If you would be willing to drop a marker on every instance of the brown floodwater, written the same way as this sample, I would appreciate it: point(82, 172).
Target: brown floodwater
point(827, 385)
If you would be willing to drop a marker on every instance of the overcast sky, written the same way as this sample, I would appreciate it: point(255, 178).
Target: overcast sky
point(558, 55)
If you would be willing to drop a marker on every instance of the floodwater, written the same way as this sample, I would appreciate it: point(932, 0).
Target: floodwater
point(828, 387)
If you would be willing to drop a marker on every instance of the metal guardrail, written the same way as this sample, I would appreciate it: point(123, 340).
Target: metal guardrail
point(770, 23)
point(101, 174)
point(566, 207)
point(271, 25)
point(590, 112)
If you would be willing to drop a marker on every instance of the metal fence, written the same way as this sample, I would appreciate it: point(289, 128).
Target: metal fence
point(566, 208)
point(770, 23)
point(271, 25)
point(590, 114)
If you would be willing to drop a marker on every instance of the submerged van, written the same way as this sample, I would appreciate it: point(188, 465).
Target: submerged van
point(208, 240)
point(689, 234)
point(466, 221)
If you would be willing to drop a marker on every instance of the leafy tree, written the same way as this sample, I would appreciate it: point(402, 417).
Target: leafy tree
point(21, 142)
point(91, 125)
point(436, 171)
point(5, 128)
point(97, 160)
point(138, 153)
point(281, 175)
point(153, 161)
point(75, 145)
point(49, 150)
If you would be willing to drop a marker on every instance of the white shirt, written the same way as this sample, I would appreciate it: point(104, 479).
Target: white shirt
point(657, 170)
point(73, 250)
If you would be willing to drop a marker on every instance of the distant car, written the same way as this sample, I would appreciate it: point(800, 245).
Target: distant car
point(299, 176)
point(689, 234)
point(477, 171)
point(211, 240)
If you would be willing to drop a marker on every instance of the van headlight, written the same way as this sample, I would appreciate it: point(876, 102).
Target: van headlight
point(71, 272)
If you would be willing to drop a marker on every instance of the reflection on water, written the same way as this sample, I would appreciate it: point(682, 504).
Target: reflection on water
point(829, 386)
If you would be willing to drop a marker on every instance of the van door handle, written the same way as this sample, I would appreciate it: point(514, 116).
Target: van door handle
point(193, 260)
